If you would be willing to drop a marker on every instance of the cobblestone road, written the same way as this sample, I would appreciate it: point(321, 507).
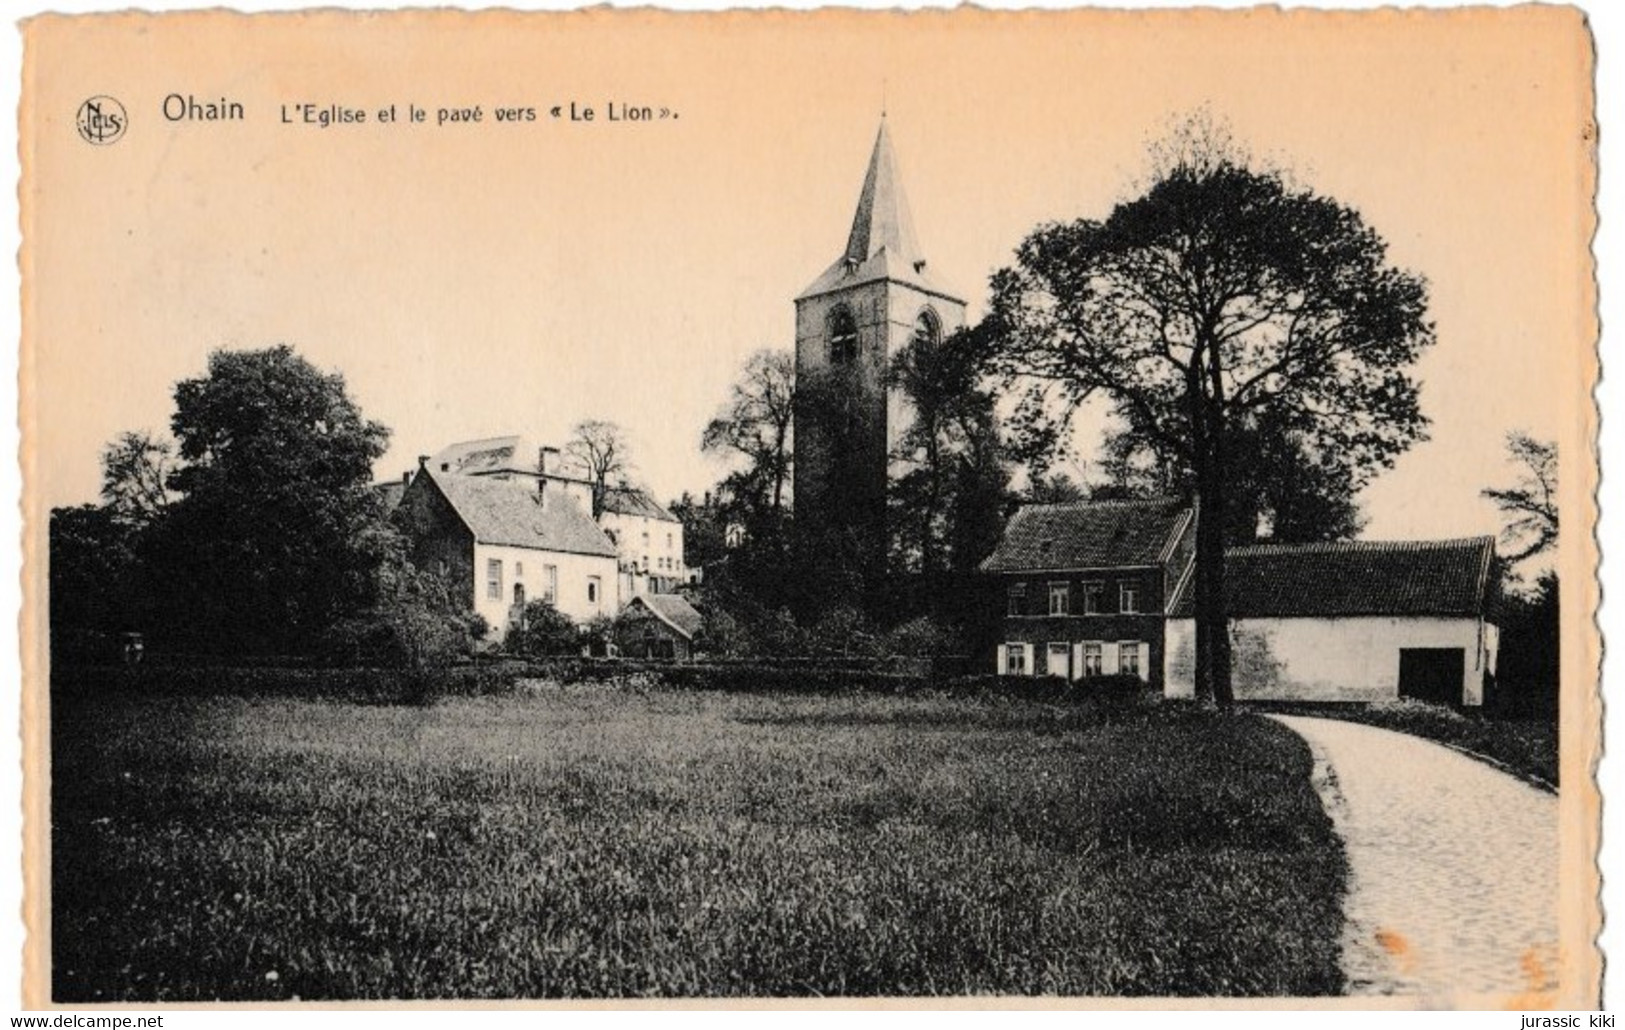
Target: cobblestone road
point(1453, 863)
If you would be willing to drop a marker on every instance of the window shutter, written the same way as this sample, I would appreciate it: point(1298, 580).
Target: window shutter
point(1028, 665)
point(1077, 661)
point(1108, 659)
point(1004, 659)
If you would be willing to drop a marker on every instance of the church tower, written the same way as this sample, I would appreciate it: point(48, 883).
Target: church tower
point(879, 295)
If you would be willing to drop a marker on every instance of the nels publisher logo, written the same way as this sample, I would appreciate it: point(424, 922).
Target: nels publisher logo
point(102, 121)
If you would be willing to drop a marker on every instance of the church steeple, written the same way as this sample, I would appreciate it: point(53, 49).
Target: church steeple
point(882, 244)
point(883, 220)
point(877, 298)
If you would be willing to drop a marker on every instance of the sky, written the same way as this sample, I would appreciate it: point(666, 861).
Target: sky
point(471, 280)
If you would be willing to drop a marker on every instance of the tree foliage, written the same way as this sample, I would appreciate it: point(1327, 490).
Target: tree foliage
point(600, 448)
point(136, 468)
point(1221, 304)
point(949, 480)
point(756, 424)
point(1529, 505)
point(274, 535)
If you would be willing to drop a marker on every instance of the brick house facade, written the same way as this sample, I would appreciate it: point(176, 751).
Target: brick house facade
point(1085, 587)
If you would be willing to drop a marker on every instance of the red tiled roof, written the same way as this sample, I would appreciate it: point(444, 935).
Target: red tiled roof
point(1349, 578)
point(1087, 535)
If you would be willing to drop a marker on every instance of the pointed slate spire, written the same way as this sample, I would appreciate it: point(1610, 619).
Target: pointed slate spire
point(882, 244)
point(883, 219)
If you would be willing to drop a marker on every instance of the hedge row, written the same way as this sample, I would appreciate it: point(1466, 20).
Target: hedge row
point(496, 677)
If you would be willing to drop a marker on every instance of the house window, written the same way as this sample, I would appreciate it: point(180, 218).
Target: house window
point(1018, 598)
point(646, 541)
point(1060, 599)
point(493, 579)
point(1129, 658)
point(519, 595)
point(668, 541)
point(593, 584)
point(1015, 659)
point(518, 570)
point(1128, 598)
point(550, 584)
point(1092, 658)
point(1056, 661)
point(1091, 597)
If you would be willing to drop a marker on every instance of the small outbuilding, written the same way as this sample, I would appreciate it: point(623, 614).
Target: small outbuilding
point(658, 626)
point(1350, 621)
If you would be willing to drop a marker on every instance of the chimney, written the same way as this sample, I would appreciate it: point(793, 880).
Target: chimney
point(406, 478)
point(423, 461)
point(550, 461)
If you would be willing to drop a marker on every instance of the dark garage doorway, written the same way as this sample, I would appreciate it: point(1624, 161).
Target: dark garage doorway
point(1432, 673)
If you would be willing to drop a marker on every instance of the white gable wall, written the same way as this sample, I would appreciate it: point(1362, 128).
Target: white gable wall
point(1330, 659)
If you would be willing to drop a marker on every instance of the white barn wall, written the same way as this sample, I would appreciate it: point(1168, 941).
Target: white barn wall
point(1330, 659)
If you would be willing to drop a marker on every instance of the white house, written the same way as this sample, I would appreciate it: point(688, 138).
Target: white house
point(1350, 621)
point(649, 539)
point(501, 542)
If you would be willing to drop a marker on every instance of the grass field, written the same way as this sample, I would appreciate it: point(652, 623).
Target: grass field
point(602, 842)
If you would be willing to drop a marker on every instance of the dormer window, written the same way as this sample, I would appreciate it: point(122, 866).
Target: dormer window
point(843, 338)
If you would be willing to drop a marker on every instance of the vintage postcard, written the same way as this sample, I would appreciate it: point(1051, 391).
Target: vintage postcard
point(1027, 507)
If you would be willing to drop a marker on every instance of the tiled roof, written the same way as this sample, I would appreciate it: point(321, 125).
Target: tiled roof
point(629, 500)
point(512, 513)
point(675, 611)
point(1087, 535)
point(1348, 578)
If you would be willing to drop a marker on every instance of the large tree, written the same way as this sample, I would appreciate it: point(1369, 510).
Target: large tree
point(274, 535)
point(1278, 490)
point(756, 425)
point(600, 448)
point(1220, 297)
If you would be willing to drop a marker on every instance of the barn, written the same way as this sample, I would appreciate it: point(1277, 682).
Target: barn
point(1350, 621)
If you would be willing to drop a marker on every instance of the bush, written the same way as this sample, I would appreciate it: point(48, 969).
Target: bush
point(545, 631)
point(844, 631)
point(923, 637)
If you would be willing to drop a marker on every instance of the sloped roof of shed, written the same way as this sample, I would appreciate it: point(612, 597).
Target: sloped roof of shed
point(1087, 535)
point(511, 513)
point(1350, 578)
point(675, 611)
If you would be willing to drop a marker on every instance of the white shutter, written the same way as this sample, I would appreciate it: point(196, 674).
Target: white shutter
point(1004, 659)
point(1029, 665)
point(1108, 659)
point(1077, 661)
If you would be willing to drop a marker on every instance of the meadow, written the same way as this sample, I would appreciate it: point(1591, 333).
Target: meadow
point(610, 840)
